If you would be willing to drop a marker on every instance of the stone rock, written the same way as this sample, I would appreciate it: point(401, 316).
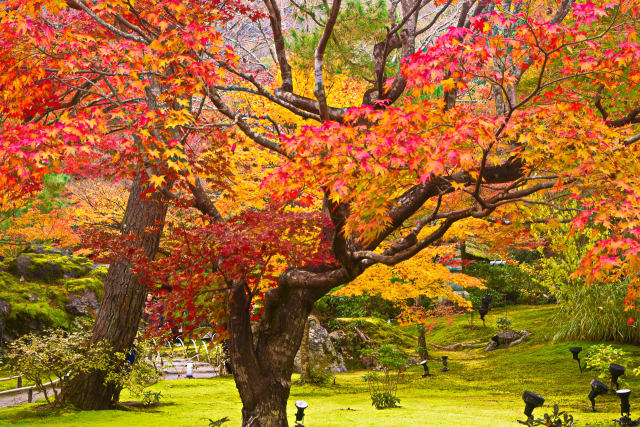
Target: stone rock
point(82, 305)
point(48, 264)
point(506, 339)
point(321, 350)
point(337, 336)
point(5, 309)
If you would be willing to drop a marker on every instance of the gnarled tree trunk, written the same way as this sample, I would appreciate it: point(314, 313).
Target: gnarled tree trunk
point(123, 300)
point(263, 360)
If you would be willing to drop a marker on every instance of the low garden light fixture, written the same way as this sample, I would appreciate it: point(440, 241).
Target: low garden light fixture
point(444, 363)
point(625, 409)
point(616, 372)
point(301, 405)
point(575, 351)
point(597, 388)
point(426, 369)
point(532, 401)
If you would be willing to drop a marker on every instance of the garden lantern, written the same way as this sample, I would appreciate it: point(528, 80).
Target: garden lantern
point(575, 351)
point(597, 388)
point(616, 371)
point(625, 409)
point(444, 362)
point(532, 401)
point(301, 405)
point(190, 370)
point(426, 369)
point(486, 300)
point(483, 312)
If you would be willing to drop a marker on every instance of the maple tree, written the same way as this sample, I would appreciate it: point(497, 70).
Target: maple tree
point(488, 104)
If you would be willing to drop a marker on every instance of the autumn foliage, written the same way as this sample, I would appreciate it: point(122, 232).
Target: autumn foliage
point(287, 181)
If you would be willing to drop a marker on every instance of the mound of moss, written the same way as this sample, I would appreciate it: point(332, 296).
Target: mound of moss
point(47, 264)
point(40, 282)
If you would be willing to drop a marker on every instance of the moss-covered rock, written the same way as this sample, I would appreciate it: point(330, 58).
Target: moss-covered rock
point(47, 287)
point(80, 285)
point(49, 265)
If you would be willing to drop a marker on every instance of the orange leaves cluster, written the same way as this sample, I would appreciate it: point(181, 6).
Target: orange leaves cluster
point(405, 282)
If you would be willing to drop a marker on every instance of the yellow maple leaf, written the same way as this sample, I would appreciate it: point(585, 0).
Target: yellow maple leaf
point(156, 180)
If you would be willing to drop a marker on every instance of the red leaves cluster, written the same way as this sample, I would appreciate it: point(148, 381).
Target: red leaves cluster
point(253, 248)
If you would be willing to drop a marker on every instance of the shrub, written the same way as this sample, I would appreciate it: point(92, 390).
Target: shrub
point(384, 400)
point(503, 323)
point(151, 398)
point(599, 357)
point(55, 354)
point(383, 389)
point(556, 419)
point(61, 354)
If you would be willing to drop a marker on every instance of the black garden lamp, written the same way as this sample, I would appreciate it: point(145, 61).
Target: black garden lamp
point(444, 362)
point(616, 372)
point(575, 351)
point(625, 409)
point(426, 369)
point(486, 300)
point(597, 388)
point(483, 312)
point(301, 405)
point(532, 401)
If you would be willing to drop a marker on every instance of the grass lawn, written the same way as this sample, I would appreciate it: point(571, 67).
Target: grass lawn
point(481, 389)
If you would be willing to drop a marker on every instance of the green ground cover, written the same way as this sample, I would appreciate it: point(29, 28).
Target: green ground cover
point(481, 389)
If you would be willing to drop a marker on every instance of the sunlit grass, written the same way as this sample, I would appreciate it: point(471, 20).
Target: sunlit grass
point(481, 389)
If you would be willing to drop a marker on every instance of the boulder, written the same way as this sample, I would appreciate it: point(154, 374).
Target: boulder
point(322, 353)
point(48, 264)
point(82, 305)
point(5, 309)
point(506, 339)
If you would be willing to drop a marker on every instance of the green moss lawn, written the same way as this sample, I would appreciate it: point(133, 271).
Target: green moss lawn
point(481, 389)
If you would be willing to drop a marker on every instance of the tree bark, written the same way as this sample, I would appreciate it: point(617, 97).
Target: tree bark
point(263, 361)
point(422, 342)
point(123, 300)
point(305, 363)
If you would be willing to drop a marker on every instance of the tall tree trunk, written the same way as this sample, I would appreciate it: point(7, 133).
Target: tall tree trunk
point(305, 362)
point(123, 300)
point(422, 342)
point(263, 361)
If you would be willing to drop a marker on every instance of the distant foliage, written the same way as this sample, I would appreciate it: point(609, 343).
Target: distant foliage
point(588, 311)
point(508, 283)
point(356, 306)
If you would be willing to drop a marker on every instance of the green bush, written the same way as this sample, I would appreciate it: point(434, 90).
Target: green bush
point(599, 357)
point(556, 419)
point(384, 400)
point(55, 354)
point(383, 389)
point(151, 398)
point(503, 323)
